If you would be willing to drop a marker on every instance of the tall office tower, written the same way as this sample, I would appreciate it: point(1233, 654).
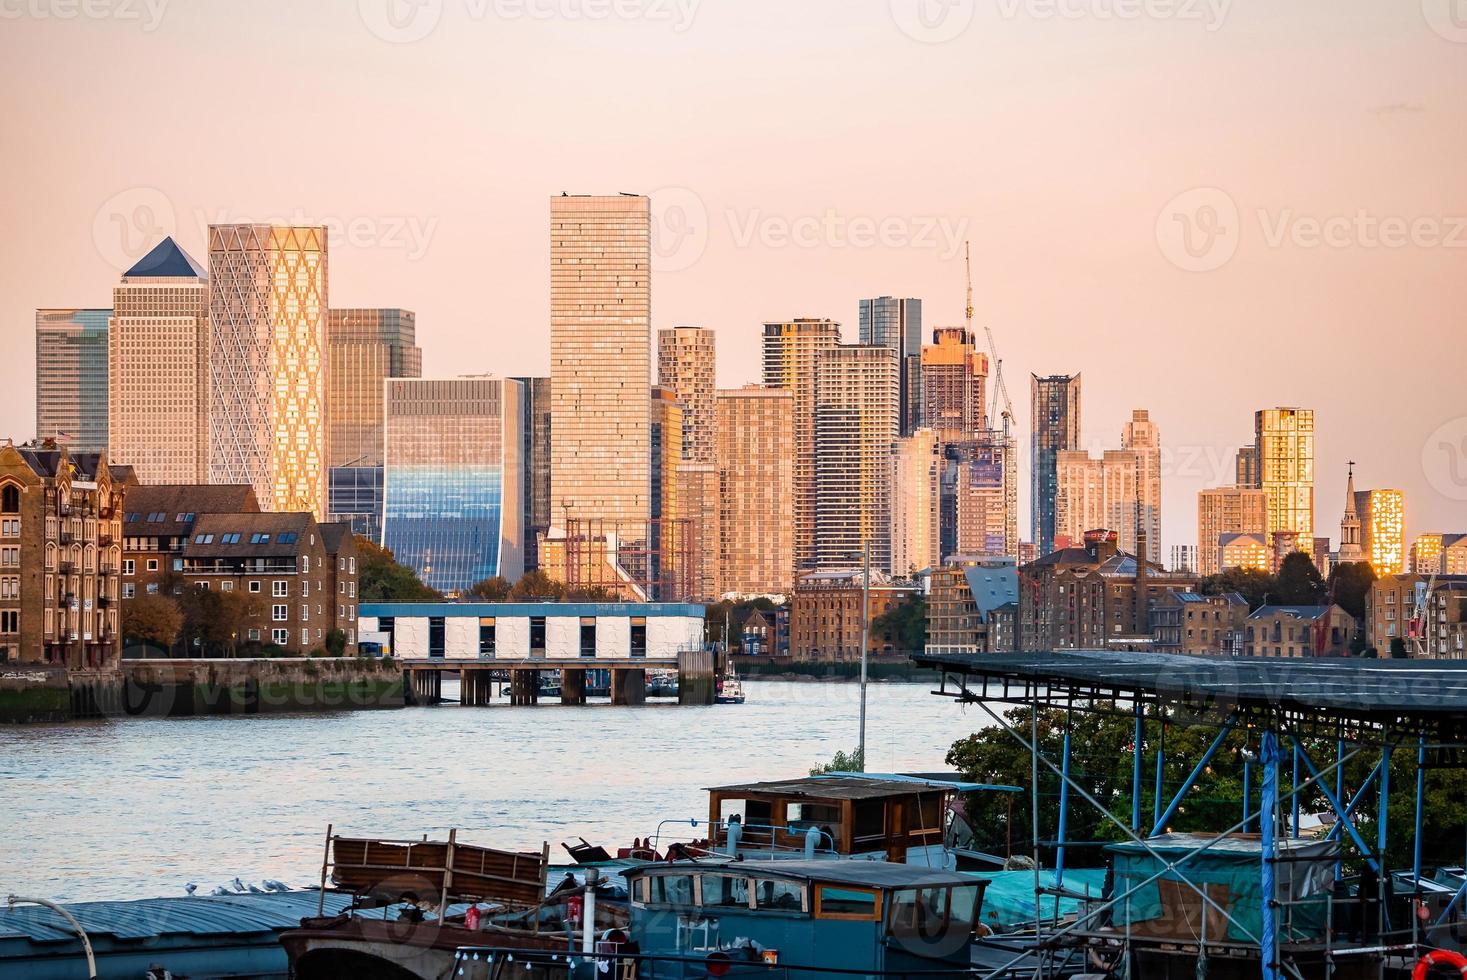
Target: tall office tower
point(452, 506)
point(1055, 422)
point(897, 323)
point(671, 561)
point(158, 368)
point(856, 424)
point(1245, 467)
point(756, 477)
point(954, 385)
point(364, 347)
point(791, 351)
point(1225, 511)
point(1350, 548)
point(1141, 437)
point(1383, 529)
point(535, 451)
point(71, 377)
point(600, 358)
point(685, 366)
point(1283, 443)
point(916, 470)
point(267, 362)
point(1184, 558)
point(985, 496)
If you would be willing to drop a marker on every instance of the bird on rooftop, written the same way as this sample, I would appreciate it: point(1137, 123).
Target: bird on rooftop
point(239, 886)
point(191, 888)
point(275, 886)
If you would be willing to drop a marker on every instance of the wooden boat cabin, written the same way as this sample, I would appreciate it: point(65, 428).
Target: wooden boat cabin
point(696, 919)
point(890, 817)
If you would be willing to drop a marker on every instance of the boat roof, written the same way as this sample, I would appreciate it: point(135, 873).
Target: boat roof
point(856, 786)
point(865, 874)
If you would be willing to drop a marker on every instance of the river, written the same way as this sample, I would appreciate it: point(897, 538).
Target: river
point(141, 807)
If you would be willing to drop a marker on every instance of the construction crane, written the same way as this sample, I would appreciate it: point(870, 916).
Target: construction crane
point(999, 388)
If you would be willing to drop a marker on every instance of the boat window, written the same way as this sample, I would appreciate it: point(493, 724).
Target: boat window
point(672, 890)
point(870, 820)
point(783, 896)
point(927, 814)
point(919, 912)
point(725, 891)
point(802, 816)
point(963, 906)
point(846, 903)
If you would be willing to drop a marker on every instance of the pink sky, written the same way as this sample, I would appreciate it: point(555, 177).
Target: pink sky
point(806, 153)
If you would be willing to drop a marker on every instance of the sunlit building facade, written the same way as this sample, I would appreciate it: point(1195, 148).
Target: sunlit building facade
point(1223, 511)
point(954, 385)
point(268, 368)
point(1382, 529)
point(453, 478)
point(890, 321)
point(1055, 427)
point(1439, 554)
point(71, 377)
point(916, 494)
point(756, 476)
point(791, 351)
point(1250, 551)
point(600, 358)
point(685, 367)
point(856, 423)
point(158, 368)
point(985, 506)
point(1284, 450)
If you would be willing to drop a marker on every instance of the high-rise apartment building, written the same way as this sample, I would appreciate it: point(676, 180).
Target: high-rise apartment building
point(685, 366)
point(1382, 529)
point(671, 559)
point(954, 385)
point(791, 351)
point(268, 370)
point(1142, 438)
point(600, 358)
point(985, 492)
point(888, 321)
point(453, 478)
point(1055, 422)
point(1184, 558)
point(1283, 444)
point(856, 423)
point(71, 377)
point(364, 347)
point(916, 492)
point(1223, 511)
point(1245, 467)
point(535, 451)
point(756, 477)
point(158, 368)
point(1434, 553)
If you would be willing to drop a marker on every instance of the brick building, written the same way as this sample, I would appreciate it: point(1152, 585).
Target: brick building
point(60, 529)
point(1391, 613)
point(158, 521)
point(1298, 631)
point(825, 614)
point(964, 596)
point(1188, 623)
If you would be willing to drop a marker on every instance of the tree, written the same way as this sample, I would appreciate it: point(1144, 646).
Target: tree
point(381, 579)
point(1251, 583)
point(904, 626)
point(152, 619)
point(1350, 582)
point(494, 589)
point(853, 761)
point(591, 593)
point(336, 642)
point(1398, 648)
point(1299, 582)
point(535, 585)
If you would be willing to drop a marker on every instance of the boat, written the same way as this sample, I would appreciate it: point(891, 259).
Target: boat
point(730, 690)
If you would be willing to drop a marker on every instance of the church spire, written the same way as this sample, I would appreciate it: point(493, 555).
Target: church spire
point(1350, 526)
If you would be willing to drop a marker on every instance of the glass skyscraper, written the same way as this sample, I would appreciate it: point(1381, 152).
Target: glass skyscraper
point(1055, 422)
point(452, 493)
point(71, 377)
point(897, 323)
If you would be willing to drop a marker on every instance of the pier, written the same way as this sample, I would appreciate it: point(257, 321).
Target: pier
point(520, 683)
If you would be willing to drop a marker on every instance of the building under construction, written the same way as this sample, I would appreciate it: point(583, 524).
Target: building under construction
point(641, 561)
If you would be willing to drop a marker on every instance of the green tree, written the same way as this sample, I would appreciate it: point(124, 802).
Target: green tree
point(1251, 583)
point(535, 585)
point(904, 625)
point(590, 593)
point(1398, 648)
point(735, 614)
point(1350, 582)
point(153, 619)
point(336, 642)
point(494, 589)
point(381, 579)
point(1299, 582)
point(853, 761)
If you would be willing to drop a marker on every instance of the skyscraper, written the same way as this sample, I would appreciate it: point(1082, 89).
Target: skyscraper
point(267, 362)
point(856, 424)
point(535, 451)
point(916, 470)
point(364, 348)
point(1055, 421)
point(1223, 511)
point(685, 366)
point(452, 507)
point(1382, 529)
point(600, 358)
point(897, 323)
point(670, 559)
point(756, 476)
point(1141, 437)
point(954, 385)
point(158, 368)
point(1283, 443)
point(791, 351)
point(71, 377)
point(985, 496)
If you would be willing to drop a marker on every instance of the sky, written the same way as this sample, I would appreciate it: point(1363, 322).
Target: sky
point(1206, 207)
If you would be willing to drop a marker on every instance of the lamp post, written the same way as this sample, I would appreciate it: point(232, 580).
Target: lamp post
point(865, 645)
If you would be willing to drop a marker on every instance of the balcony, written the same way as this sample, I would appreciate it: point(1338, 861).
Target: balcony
point(66, 568)
point(107, 570)
point(66, 537)
point(103, 601)
point(104, 540)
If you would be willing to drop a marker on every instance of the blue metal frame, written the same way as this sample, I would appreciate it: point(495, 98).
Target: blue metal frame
point(1334, 801)
point(1136, 770)
point(1222, 734)
point(1268, 822)
point(1420, 795)
point(1064, 806)
point(1160, 762)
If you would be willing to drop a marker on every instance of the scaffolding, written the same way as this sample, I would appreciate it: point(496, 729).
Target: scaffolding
point(642, 561)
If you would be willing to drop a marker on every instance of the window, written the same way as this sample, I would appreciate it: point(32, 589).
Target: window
point(152, 588)
point(10, 528)
point(152, 564)
point(10, 618)
point(10, 499)
point(846, 903)
point(486, 635)
point(672, 890)
point(157, 517)
point(254, 634)
point(785, 896)
point(286, 537)
point(259, 537)
point(351, 565)
point(129, 566)
point(537, 635)
point(203, 539)
point(725, 891)
point(305, 589)
point(128, 590)
point(279, 613)
point(437, 636)
point(639, 636)
point(305, 563)
point(10, 557)
point(305, 613)
point(588, 636)
point(279, 588)
point(230, 538)
point(305, 637)
point(255, 586)
point(226, 586)
point(280, 637)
